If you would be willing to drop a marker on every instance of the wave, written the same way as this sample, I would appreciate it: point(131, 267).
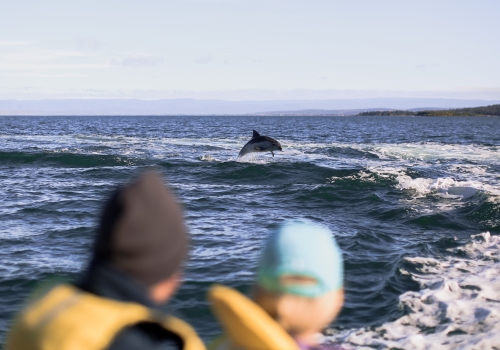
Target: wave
point(427, 151)
point(455, 308)
point(66, 159)
point(420, 170)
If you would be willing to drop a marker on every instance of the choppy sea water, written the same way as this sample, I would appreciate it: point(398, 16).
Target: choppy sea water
point(414, 204)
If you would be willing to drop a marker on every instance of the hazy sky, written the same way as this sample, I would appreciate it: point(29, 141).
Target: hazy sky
point(249, 49)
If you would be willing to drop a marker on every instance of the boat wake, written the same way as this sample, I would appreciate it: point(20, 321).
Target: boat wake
point(456, 307)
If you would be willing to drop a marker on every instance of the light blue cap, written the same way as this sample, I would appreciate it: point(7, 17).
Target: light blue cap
point(301, 248)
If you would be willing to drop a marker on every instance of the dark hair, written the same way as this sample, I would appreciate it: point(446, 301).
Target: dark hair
point(111, 213)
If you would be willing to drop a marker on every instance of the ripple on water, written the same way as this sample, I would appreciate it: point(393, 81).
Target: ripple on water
point(400, 206)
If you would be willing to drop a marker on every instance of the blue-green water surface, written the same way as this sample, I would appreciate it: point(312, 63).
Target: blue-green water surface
point(382, 184)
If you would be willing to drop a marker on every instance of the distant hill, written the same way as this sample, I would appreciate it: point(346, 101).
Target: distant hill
point(429, 109)
point(492, 110)
point(320, 112)
point(89, 107)
point(476, 111)
point(389, 113)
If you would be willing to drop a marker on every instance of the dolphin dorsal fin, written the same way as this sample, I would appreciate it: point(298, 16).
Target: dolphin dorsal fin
point(255, 134)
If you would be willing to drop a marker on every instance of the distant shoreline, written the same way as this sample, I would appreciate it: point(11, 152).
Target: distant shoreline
point(486, 111)
point(366, 114)
point(192, 107)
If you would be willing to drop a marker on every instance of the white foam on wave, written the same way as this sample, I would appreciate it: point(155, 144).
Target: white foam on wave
point(208, 158)
point(424, 186)
point(446, 187)
point(422, 151)
point(254, 158)
point(213, 142)
point(476, 179)
point(457, 307)
point(362, 176)
point(429, 151)
point(157, 146)
point(460, 181)
point(404, 151)
point(469, 169)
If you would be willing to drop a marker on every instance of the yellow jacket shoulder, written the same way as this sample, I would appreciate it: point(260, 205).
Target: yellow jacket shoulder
point(68, 318)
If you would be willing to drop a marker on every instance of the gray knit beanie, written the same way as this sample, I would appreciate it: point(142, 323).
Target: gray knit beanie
point(142, 231)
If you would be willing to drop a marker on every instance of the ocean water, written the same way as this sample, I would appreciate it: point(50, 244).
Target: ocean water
point(414, 204)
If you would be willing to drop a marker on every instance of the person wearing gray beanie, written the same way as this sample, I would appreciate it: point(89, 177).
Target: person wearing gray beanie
point(142, 231)
point(135, 268)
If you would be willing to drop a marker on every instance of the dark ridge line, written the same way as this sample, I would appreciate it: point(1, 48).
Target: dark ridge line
point(485, 111)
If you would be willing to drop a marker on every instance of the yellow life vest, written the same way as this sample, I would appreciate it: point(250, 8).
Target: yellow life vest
point(68, 318)
point(246, 325)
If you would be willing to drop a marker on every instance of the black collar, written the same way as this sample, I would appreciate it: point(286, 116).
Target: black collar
point(105, 280)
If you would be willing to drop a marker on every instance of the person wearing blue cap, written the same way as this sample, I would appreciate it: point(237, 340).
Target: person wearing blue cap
point(299, 290)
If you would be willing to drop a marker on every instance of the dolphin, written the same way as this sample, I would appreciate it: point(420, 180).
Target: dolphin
point(260, 144)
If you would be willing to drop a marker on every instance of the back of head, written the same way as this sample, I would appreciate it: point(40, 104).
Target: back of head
point(300, 277)
point(142, 231)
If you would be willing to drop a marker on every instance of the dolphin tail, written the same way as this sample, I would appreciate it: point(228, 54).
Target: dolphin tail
point(272, 153)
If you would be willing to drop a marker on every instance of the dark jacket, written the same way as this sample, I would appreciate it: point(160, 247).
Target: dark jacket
point(106, 281)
